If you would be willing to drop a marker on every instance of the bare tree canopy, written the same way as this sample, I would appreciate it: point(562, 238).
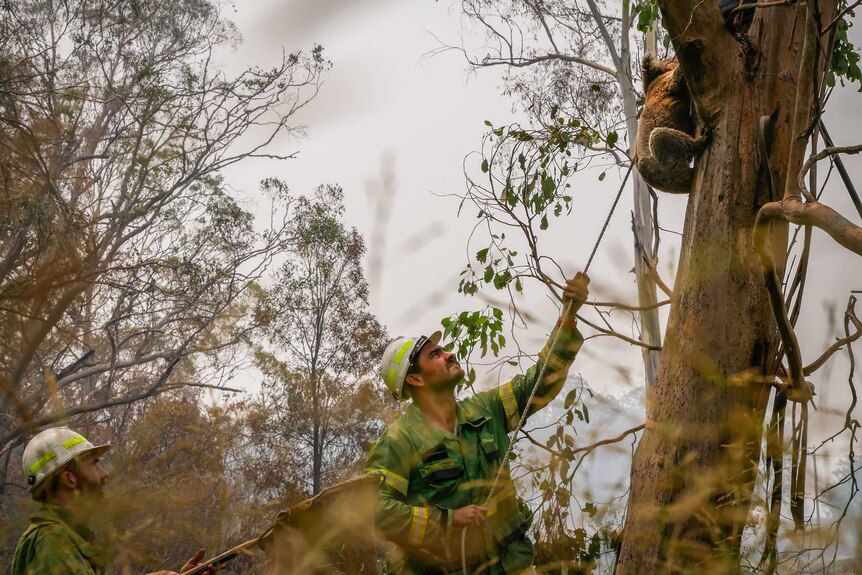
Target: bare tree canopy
point(123, 255)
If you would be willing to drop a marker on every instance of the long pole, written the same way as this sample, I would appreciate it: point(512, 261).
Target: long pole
point(223, 558)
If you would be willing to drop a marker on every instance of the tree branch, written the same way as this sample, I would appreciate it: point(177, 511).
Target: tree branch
point(825, 152)
point(588, 448)
point(541, 16)
point(627, 307)
point(522, 62)
point(619, 335)
point(849, 316)
point(842, 230)
point(796, 388)
point(849, 8)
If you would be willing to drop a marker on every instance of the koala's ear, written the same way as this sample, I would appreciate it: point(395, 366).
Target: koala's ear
point(652, 69)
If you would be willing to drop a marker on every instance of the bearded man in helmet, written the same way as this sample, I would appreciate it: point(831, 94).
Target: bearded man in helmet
point(67, 478)
point(439, 460)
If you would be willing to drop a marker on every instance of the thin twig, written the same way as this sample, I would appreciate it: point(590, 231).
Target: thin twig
point(849, 316)
point(627, 307)
point(620, 336)
point(847, 9)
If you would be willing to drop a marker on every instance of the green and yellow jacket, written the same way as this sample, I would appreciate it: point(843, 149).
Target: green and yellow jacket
point(429, 472)
point(55, 544)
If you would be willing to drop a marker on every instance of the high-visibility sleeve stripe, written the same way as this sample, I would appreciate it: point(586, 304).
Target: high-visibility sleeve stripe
point(69, 443)
point(400, 355)
point(394, 480)
point(37, 465)
point(418, 525)
point(504, 493)
point(510, 404)
point(553, 360)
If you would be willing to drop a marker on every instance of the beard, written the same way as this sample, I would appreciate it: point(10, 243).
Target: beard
point(89, 500)
point(457, 372)
point(90, 489)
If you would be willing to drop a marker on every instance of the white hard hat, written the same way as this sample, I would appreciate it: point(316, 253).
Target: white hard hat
point(52, 449)
point(399, 356)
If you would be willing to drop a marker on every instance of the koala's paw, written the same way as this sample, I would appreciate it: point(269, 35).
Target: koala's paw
point(705, 138)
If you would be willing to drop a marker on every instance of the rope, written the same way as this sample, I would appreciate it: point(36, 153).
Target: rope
point(525, 413)
point(505, 459)
point(608, 219)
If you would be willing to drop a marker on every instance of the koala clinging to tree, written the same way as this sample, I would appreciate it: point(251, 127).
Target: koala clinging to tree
point(666, 144)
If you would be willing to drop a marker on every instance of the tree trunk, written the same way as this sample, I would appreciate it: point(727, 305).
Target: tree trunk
point(4, 472)
point(317, 463)
point(694, 469)
point(642, 228)
point(642, 221)
point(316, 445)
point(643, 234)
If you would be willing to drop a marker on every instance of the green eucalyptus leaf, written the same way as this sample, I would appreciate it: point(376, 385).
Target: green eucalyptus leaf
point(570, 399)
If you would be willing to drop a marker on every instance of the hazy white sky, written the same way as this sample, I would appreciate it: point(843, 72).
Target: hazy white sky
point(387, 105)
point(387, 100)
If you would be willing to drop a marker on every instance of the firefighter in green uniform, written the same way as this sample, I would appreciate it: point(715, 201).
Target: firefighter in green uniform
point(438, 461)
point(66, 476)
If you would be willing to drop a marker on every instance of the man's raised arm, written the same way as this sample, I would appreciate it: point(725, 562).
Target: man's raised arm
point(556, 357)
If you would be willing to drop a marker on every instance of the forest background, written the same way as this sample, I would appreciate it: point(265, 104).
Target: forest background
point(219, 330)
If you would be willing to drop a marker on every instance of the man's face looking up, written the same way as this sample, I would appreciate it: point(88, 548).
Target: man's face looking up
point(438, 368)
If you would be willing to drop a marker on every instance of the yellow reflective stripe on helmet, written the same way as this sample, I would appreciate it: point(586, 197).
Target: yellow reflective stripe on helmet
point(390, 377)
point(393, 371)
point(418, 525)
point(37, 465)
point(404, 348)
point(394, 480)
point(74, 441)
point(510, 404)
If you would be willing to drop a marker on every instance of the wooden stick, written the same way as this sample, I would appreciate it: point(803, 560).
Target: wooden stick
point(226, 556)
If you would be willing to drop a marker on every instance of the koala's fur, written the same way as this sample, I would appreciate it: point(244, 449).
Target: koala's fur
point(666, 144)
